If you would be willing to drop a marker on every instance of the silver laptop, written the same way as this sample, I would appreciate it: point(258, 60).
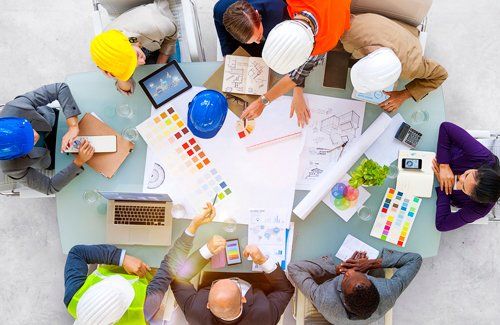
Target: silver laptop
point(138, 218)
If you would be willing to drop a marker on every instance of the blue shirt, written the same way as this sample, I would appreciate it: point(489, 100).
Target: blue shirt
point(272, 13)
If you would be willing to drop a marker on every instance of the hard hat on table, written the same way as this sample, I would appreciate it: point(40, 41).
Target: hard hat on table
point(207, 113)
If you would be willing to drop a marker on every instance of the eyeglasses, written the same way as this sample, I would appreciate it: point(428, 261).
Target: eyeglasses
point(237, 282)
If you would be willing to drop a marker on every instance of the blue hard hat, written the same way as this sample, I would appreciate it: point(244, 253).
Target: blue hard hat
point(207, 113)
point(16, 137)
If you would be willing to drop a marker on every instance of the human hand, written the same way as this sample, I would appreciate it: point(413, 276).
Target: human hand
point(69, 137)
point(395, 100)
point(206, 216)
point(133, 265)
point(86, 151)
point(254, 252)
point(358, 255)
point(253, 110)
point(435, 168)
point(446, 178)
point(362, 265)
point(216, 244)
point(299, 107)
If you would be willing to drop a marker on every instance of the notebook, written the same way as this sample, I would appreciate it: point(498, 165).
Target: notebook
point(416, 182)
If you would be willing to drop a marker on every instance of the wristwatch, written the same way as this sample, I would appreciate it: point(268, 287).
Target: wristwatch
point(264, 100)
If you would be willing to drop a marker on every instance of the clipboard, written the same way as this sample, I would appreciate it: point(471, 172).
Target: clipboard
point(105, 164)
point(237, 102)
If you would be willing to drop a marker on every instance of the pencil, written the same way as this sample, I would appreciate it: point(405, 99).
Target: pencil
point(215, 199)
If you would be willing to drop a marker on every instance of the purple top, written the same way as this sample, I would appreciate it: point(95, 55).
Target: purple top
point(461, 151)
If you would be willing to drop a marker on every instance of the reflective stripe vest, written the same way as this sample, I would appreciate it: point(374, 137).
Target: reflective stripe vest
point(332, 16)
point(135, 313)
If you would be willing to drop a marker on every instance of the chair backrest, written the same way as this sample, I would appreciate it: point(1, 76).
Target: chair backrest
point(411, 12)
point(117, 7)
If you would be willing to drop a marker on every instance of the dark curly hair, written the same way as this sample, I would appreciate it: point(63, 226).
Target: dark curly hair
point(363, 301)
point(240, 19)
point(487, 189)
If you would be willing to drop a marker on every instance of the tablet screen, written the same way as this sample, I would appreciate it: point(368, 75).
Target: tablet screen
point(165, 84)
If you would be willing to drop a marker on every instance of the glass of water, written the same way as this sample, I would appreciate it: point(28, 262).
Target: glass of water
point(393, 172)
point(178, 211)
point(365, 213)
point(125, 111)
point(91, 196)
point(420, 116)
point(229, 225)
point(130, 134)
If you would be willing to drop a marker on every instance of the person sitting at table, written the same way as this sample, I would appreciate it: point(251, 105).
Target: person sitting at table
point(27, 138)
point(468, 175)
point(231, 300)
point(246, 23)
point(296, 46)
point(121, 290)
point(345, 294)
point(388, 51)
point(143, 35)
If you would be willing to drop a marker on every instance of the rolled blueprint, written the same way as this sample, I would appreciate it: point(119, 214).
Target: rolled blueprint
point(339, 169)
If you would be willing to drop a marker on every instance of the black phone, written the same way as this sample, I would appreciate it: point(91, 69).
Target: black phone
point(411, 163)
point(233, 254)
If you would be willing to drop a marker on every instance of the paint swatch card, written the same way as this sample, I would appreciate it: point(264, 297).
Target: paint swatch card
point(192, 171)
point(395, 217)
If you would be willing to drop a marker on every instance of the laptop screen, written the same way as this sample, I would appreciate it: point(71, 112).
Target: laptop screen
point(142, 197)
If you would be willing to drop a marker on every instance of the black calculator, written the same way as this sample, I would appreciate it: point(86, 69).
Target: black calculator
point(408, 135)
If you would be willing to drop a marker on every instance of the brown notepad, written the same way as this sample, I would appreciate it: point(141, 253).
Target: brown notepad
point(236, 101)
point(105, 163)
point(337, 64)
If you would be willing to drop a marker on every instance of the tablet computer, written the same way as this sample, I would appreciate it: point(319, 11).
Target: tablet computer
point(165, 84)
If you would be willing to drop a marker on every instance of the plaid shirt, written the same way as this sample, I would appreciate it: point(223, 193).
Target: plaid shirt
point(300, 74)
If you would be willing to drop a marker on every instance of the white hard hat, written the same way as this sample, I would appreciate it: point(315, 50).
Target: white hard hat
point(288, 46)
point(105, 303)
point(376, 71)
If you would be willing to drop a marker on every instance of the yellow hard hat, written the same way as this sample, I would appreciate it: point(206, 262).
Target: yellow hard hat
point(112, 52)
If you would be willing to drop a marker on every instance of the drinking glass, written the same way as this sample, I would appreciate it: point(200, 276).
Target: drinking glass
point(365, 213)
point(91, 196)
point(125, 111)
point(229, 225)
point(130, 134)
point(178, 211)
point(420, 116)
point(393, 172)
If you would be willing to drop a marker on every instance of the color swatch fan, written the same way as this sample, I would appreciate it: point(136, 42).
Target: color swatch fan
point(191, 169)
point(244, 127)
point(395, 217)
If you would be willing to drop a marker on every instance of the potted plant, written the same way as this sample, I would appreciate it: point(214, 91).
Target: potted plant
point(368, 173)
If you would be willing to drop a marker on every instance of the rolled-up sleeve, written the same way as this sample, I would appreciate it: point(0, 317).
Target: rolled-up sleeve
point(300, 74)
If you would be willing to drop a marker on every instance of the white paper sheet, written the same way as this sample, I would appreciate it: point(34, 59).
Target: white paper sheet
point(351, 244)
point(245, 75)
point(385, 150)
point(258, 178)
point(336, 171)
point(347, 214)
point(267, 230)
point(274, 124)
point(333, 122)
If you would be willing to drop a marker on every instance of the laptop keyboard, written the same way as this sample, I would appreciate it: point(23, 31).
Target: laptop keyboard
point(139, 215)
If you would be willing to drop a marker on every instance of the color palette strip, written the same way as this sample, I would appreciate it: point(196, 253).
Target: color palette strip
point(172, 142)
point(395, 217)
point(244, 127)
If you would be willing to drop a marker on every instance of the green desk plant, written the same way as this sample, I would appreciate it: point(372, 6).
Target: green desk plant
point(368, 173)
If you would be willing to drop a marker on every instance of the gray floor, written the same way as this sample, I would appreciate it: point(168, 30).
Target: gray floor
point(43, 41)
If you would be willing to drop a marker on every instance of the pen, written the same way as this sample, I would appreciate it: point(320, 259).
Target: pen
point(215, 199)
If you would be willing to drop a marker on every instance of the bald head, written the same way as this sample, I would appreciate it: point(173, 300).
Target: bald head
point(224, 299)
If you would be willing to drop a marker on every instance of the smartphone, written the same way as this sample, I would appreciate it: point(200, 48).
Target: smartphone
point(101, 143)
point(233, 254)
point(411, 163)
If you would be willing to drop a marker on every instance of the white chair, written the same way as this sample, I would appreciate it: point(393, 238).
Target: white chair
point(491, 140)
point(185, 14)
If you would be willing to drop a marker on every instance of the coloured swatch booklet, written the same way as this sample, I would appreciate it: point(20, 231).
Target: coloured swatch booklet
point(396, 217)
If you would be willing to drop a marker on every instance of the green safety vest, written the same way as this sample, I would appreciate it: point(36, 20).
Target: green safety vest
point(135, 313)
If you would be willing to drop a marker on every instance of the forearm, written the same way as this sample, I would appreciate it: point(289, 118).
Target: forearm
point(429, 77)
point(283, 86)
point(72, 122)
point(125, 86)
point(44, 184)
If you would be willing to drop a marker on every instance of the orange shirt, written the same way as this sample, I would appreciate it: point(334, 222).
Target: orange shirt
point(332, 17)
